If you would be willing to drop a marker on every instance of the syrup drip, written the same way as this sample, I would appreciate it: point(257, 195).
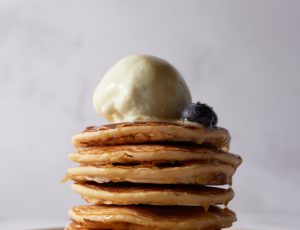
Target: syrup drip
point(229, 181)
point(206, 207)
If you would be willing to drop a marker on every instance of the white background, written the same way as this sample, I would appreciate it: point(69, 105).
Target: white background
point(241, 57)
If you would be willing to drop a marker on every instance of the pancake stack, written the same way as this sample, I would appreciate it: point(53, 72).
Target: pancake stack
point(153, 175)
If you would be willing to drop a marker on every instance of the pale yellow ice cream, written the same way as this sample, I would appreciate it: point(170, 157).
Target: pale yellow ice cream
point(141, 88)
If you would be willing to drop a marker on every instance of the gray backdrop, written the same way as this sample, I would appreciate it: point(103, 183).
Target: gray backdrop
point(241, 57)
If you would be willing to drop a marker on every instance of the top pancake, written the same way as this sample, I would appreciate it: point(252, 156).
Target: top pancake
point(149, 132)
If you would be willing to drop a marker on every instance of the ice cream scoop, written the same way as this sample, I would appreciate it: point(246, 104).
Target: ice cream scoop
point(141, 88)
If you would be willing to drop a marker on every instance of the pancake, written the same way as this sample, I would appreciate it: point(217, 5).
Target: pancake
point(151, 153)
point(181, 173)
point(126, 194)
point(150, 217)
point(148, 132)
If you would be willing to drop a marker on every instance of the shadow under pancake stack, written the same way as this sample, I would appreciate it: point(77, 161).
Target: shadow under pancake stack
point(153, 175)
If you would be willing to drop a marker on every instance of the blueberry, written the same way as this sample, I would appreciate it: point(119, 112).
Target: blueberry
point(200, 113)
